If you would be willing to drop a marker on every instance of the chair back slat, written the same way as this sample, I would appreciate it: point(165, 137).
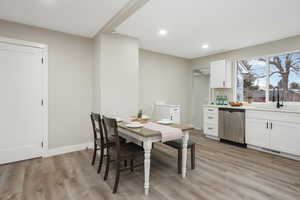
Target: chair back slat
point(97, 127)
point(110, 127)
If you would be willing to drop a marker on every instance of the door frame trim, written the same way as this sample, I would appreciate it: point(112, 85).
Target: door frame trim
point(44, 49)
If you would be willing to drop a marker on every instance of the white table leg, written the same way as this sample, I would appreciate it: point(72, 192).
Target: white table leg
point(147, 150)
point(185, 139)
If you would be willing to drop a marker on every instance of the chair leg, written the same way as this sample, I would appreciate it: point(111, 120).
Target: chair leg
point(94, 154)
point(125, 163)
point(193, 151)
point(117, 177)
point(179, 166)
point(101, 160)
point(131, 165)
point(107, 167)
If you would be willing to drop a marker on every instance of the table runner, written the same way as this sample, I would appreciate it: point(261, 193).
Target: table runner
point(167, 133)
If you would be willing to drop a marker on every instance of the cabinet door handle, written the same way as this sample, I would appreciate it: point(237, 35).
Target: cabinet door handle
point(267, 125)
point(223, 83)
point(210, 110)
point(209, 128)
point(210, 117)
point(271, 125)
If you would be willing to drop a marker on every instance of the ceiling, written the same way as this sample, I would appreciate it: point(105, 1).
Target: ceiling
point(79, 17)
point(222, 24)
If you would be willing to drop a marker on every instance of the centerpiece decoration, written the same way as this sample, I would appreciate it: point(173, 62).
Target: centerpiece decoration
point(139, 118)
point(140, 114)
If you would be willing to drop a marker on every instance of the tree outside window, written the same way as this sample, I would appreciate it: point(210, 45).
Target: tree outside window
point(284, 73)
point(251, 80)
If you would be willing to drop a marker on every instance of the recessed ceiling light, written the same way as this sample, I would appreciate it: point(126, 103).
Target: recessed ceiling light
point(163, 32)
point(205, 46)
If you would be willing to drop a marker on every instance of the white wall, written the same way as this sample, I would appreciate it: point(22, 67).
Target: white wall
point(119, 75)
point(70, 81)
point(130, 79)
point(164, 78)
point(96, 75)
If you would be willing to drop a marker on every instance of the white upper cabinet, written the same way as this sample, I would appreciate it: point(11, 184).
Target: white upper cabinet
point(220, 74)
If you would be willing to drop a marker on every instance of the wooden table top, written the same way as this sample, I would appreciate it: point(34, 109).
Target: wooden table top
point(145, 132)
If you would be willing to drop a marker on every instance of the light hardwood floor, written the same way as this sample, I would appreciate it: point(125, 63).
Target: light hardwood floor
point(222, 172)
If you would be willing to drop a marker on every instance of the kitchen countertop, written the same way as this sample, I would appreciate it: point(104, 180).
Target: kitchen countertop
point(267, 107)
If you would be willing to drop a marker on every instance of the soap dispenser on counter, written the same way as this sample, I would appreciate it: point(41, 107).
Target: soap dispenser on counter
point(225, 100)
point(221, 100)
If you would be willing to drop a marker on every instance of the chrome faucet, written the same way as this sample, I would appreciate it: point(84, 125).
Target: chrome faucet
point(278, 105)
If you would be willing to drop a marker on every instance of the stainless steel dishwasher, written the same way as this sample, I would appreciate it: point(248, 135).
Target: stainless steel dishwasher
point(232, 125)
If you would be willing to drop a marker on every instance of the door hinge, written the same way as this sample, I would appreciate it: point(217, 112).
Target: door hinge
point(42, 144)
point(42, 60)
point(42, 102)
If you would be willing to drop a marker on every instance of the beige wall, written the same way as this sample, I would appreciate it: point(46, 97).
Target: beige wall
point(96, 74)
point(70, 81)
point(137, 78)
point(284, 45)
point(117, 75)
point(164, 78)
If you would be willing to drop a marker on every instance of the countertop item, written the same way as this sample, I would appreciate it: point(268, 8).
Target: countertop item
point(262, 107)
point(225, 106)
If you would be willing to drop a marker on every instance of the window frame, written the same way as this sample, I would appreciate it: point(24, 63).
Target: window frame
point(267, 57)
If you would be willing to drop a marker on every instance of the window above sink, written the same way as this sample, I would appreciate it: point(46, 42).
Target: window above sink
point(257, 77)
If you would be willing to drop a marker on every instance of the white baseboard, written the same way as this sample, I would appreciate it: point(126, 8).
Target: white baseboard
point(212, 137)
point(286, 155)
point(69, 149)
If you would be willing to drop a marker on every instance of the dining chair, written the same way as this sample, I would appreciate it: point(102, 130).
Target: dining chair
point(101, 141)
point(177, 144)
point(120, 152)
point(97, 133)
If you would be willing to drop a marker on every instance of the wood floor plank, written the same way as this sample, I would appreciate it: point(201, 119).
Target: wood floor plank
point(12, 177)
point(222, 172)
point(33, 183)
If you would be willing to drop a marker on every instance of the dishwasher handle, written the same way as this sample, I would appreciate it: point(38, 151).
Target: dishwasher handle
point(231, 110)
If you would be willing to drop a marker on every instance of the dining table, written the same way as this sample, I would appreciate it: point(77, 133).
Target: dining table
point(146, 137)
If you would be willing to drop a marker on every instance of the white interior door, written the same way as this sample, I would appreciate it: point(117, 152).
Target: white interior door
point(21, 91)
point(200, 97)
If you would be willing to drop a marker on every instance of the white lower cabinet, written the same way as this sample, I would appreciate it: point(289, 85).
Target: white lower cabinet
point(279, 132)
point(211, 129)
point(257, 133)
point(285, 137)
point(210, 117)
